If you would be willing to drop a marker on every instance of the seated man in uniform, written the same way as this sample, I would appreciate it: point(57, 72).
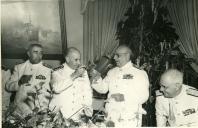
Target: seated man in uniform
point(176, 104)
point(5, 76)
point(128, 89)
point(28, 78)
point(72, 88)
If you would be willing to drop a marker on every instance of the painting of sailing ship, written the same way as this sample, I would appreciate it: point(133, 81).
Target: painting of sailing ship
point(25, 22)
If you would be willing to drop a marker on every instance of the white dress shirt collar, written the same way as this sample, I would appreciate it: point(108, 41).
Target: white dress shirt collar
point(66, 67)
point(126, 66)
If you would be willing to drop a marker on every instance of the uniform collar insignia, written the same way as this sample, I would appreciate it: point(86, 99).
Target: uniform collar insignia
point(41, 77)
point(127, 76)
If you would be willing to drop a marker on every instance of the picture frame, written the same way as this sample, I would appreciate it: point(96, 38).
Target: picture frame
point(24, 22)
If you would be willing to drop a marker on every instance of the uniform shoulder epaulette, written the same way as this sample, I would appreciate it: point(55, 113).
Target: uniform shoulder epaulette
point(192, 92)
point(158, 93)
point(4, 68)
point(141, 67)
point(21, 63)
point(57, 68)
point(47, 65)
point(134, 65)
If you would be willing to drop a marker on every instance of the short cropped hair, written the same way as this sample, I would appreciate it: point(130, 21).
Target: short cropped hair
point(175, 75)
point(128, 50)
point(70, 50)
point(34, 45)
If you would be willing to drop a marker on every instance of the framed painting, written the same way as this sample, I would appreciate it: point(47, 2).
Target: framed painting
point(24, 22)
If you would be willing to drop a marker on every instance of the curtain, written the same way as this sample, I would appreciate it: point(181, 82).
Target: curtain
point(100, 21)
point(63, 25)
point(184, 15)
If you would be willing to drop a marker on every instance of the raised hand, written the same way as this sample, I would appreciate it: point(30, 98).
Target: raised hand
point(78, 72)
point(118, 97)
point(24, 79)
point(24, 91)
point(95, 75)
point(39, 86)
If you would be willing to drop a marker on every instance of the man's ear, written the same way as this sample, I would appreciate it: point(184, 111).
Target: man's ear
point(67, 59)
point(128, 56)
point(178, 85)
point(28, 53)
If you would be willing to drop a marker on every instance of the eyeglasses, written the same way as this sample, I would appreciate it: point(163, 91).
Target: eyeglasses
point(119, 54)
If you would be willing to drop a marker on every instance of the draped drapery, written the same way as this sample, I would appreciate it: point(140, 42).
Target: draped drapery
point(184, 15)
point(63, 25)
point(100, 21)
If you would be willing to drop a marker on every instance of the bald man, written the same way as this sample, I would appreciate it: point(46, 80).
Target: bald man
point(176, 103)
point(71, 85)
point(128, 90)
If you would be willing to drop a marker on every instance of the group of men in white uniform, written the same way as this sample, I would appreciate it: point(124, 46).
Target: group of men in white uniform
point(127, 87)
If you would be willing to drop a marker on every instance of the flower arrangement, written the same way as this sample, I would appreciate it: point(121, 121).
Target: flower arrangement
point(41, 118)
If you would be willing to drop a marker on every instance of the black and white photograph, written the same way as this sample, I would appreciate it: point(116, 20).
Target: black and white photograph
point(99, 63)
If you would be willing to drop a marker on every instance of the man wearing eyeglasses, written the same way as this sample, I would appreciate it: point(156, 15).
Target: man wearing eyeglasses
point(30, 80)
point(128, 89)
point(176, 104)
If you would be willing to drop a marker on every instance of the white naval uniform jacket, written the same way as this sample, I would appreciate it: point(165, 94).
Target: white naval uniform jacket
point(71, 95)
point(40, 73)
point(184, 111)
point(5, 95)
point(129, 81)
